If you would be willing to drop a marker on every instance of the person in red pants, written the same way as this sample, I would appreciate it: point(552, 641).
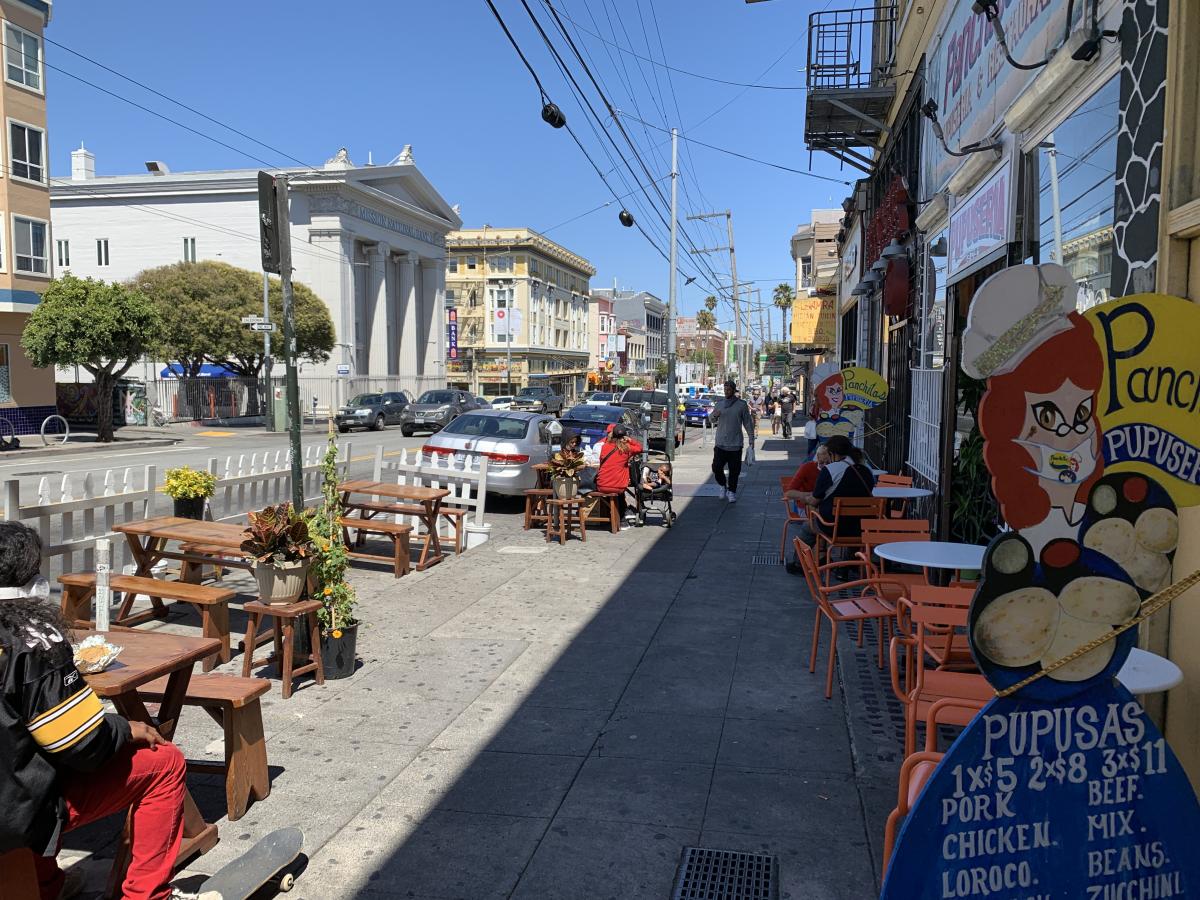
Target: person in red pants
point(64, 762)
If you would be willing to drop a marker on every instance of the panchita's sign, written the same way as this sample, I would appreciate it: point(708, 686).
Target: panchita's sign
point(843, 395)
point(1061, 786)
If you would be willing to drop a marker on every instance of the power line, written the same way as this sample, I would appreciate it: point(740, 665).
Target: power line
point(761, 162)
point(594, 209)
point(670, 68)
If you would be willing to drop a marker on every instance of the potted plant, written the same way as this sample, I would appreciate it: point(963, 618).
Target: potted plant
point(339, 626)
point(190, 489)
point(564, 469)
point(278, 538)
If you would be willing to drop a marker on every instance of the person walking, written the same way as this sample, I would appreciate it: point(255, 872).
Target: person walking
point(787, 409)
point(731, 417)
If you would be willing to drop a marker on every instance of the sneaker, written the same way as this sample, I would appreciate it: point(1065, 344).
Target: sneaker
point(732, 497)
point(724, 494)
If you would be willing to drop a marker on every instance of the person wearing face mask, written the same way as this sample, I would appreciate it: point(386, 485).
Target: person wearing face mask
point(64, 762)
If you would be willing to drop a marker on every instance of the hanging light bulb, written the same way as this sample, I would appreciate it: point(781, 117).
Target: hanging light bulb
point(626, 218)
point(553, 116)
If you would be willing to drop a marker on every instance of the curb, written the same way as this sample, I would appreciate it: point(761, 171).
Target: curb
point(81, 449)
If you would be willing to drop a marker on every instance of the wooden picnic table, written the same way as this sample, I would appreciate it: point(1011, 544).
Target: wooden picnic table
point(425, 503)
point(146, 656)
point(148, 541)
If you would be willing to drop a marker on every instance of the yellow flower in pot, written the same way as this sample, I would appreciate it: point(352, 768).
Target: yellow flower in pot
point(190, 489)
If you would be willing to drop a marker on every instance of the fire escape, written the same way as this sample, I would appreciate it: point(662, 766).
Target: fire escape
point(850, 80)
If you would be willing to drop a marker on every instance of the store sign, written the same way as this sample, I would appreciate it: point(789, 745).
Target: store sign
point(980, 224)
point(452, 333)
point(842, 396)
point(971, 80)
point(814, 322)
point(1062, 786)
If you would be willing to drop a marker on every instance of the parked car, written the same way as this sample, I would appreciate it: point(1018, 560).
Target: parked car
point(538, 399)
point(600, 398)
point(435, 410)
point(697, 412)
point(513, 442)
point(635, 397)
point(592, 421)
point(482, 403)
point(372, 411)
point(504, 402)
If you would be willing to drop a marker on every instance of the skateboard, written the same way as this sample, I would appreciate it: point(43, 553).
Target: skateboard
point(258, 866)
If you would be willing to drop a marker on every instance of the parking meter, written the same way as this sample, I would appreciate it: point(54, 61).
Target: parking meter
point(554, 430)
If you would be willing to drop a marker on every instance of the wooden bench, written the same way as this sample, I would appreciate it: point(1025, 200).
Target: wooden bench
point(401, 558)
point(233, 703)
point(18, 875)
point(211, 602)
point(455, 515)
point(611, 515)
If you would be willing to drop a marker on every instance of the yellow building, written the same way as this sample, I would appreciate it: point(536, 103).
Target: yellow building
point(26, 393)
point(496, 275)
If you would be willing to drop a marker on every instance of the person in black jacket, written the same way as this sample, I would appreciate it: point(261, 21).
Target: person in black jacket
point(64, 761)
point(844, 476)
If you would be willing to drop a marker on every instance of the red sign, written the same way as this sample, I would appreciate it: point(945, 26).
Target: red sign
point(888, 222)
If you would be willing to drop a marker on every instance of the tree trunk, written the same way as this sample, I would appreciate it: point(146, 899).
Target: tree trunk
point(104, 406)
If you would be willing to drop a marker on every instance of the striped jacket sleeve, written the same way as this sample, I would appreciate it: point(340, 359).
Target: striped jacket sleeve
point(64, 716)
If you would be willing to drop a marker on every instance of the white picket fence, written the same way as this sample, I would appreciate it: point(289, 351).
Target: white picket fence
point(71, 518)
point(466, 481)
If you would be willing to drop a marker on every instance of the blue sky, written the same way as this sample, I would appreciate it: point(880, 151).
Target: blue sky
point(308, 78)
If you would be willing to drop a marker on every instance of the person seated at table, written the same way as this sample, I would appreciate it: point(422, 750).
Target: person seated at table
point(844, 476)
point(616, 450)
point(804, 482)
point(64, 762)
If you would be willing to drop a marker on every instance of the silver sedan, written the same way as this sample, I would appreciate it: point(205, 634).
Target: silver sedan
point(513, 442)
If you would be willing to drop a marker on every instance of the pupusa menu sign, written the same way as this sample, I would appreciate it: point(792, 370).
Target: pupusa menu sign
point(1061, 787)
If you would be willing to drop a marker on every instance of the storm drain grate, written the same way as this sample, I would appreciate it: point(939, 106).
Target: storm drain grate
point(765, 559)
point(726, 875)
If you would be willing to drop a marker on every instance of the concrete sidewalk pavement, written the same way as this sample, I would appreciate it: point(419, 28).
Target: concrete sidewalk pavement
point(541, 721)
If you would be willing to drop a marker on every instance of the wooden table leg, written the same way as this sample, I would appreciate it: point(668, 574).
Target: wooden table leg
point(582, 524)
point(286, 646)
point(214, 619)
point(75, 603)
point(145, 556)
point(198, 836)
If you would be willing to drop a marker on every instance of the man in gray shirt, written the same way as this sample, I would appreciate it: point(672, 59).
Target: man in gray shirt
point(731, 416)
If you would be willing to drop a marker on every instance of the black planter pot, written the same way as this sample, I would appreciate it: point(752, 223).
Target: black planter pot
point(189, 508)
point(337, 654)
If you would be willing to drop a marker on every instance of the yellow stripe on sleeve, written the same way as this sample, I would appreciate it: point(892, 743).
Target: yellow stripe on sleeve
point(70, 724)
point(74, 698)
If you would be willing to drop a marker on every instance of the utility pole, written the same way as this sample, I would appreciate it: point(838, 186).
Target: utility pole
point(291, 384)
point(672, 403)
point(739, 346)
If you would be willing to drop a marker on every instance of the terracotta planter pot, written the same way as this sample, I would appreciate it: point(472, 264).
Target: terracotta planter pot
point(565, 488)
point(281, 584)
point(190, 507)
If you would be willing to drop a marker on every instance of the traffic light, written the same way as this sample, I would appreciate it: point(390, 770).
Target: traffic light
point(268, 227)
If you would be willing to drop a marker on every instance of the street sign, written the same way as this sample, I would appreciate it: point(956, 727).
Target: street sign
point(262, 326)
point(343, 369)
point(249, 320)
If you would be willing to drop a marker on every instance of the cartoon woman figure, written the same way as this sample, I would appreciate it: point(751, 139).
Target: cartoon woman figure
point(1038, 418)
point(830, 395)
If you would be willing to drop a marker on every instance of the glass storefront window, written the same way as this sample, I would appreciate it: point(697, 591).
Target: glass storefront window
point(933, 300)
point(1073, 176)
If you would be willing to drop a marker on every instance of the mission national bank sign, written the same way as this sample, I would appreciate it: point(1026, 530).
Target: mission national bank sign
point(980, 224)
point(375, 217)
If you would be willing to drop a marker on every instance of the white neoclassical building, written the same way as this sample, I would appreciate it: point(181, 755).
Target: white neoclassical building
point(369, 240)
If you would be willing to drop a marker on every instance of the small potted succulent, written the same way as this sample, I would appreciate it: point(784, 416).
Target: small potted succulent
point(190, 489)
point(565, 467)
point(339, 625)
point(278, 538)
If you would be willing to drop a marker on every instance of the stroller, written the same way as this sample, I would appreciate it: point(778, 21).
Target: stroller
point(644, 470)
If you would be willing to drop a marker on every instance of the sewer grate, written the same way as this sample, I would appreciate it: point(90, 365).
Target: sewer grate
point(765, 559)
point(726, 875)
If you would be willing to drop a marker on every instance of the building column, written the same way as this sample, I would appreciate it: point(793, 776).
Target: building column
point(433, 298)
point(392, 290)
point(377, 317)
point(334, 283)
point(408, 337)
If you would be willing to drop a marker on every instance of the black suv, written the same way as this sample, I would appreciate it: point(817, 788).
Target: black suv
point(372, 411)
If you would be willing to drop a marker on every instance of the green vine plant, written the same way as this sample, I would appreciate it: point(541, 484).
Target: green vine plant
point(337, 597)
point(974, 515)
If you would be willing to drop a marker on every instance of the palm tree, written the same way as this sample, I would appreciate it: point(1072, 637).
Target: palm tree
point(705, 320)
point(710, 303)
point(784, 296)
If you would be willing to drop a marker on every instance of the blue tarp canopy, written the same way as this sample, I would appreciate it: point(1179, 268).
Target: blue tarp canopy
point(175, 370)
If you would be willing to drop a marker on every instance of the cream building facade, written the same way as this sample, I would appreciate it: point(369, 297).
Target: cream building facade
point(498, 274)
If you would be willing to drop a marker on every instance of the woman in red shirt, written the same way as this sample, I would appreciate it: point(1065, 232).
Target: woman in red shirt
point(615, 452)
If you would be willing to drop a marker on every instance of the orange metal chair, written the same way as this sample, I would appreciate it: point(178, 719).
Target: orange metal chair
point(796, 514)
point(937, 618)
point(869, 604)
point(843, 531)
point(918, 768)
point(894, 480)
point(892, 531)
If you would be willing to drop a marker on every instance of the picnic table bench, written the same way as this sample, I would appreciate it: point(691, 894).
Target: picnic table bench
point(424, 503)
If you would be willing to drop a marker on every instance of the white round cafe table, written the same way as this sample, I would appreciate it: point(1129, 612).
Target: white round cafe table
point(933, 554)
point(898, 492)
point(1148, 673)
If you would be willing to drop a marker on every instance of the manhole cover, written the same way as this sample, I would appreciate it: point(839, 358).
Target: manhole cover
point(39, 472)
point(726, 875)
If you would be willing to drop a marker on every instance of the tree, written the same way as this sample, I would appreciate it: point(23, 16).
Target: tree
point(660, 372)
point(102, 327)
point(705, 321)
point(784, 296)
point(710, 303)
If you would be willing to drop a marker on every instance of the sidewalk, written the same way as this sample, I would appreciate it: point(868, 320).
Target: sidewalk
point(535, 721)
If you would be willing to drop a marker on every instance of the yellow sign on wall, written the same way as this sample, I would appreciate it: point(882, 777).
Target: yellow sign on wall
point(1149, 399)
point(814, 322)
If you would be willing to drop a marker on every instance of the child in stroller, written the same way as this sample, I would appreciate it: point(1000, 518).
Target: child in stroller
point(651, 482)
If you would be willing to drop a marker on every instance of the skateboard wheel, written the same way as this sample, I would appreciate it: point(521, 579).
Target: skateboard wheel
point(287, 882)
